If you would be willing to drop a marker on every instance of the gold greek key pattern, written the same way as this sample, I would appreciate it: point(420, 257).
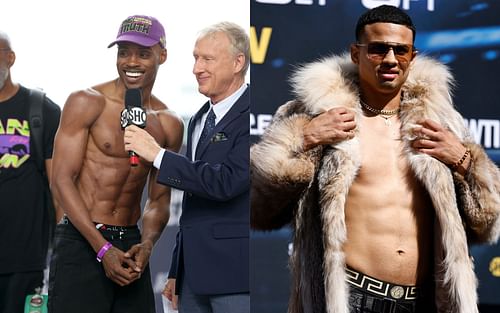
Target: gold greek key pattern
point(380, 287)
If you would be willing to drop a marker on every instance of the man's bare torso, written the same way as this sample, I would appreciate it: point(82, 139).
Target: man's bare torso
point(109, 186)
point(389, 215)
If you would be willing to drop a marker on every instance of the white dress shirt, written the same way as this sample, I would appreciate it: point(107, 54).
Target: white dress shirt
point(220, 109)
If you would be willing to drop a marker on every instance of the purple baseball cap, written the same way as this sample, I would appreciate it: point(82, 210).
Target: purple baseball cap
point(143, 30)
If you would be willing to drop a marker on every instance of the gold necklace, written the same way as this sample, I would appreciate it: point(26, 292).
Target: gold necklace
point(385, 114)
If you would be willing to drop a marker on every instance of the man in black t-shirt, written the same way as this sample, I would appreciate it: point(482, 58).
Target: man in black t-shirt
point(23, 217)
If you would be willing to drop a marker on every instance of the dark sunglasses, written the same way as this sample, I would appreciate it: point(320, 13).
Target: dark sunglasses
point(378, 49)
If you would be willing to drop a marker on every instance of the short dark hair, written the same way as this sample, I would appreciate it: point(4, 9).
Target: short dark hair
point(384, 14)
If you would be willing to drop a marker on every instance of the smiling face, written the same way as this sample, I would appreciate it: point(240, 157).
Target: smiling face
point(138, 65)
point(381, 58)
point(217, 66)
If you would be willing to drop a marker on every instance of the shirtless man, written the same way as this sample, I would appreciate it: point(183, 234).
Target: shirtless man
point(381, 180)
point(100, 262)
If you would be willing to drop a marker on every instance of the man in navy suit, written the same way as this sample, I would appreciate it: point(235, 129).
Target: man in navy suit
point(210, 266)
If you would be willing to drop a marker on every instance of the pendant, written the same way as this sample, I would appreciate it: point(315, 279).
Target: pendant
point(387, 120)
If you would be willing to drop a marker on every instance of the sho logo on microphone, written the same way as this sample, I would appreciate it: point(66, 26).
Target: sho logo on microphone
point(133, 116)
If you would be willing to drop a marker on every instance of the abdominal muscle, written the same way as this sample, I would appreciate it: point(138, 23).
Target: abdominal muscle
point(389, 238)
point(111, 189)
point(389, 215)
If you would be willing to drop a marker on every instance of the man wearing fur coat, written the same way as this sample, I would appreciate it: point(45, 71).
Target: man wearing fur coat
point(383, 186)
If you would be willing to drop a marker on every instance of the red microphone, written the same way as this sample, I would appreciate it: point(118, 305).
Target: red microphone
point(133, 114)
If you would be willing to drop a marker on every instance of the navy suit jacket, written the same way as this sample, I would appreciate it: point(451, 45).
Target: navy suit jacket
point(212, 245)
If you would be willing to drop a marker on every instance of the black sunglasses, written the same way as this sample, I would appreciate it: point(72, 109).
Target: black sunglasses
point(378, 49)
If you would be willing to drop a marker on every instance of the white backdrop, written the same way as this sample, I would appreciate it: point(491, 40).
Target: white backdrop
point(61, 46)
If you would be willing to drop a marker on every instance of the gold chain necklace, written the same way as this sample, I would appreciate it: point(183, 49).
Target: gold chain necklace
point(385, 114)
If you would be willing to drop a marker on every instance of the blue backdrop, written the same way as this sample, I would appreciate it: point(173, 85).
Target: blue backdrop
point(463, 34)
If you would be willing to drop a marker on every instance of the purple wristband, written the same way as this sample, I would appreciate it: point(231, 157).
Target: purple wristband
point(103, 251)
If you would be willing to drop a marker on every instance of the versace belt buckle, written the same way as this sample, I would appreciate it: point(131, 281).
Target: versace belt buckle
point(397, 292)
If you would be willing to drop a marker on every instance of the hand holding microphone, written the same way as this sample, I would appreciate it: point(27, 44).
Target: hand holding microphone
point(133, 114)
point(133, 120)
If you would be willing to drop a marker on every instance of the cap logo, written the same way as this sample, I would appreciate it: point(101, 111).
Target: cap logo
point(136, 24)
point(142, 30)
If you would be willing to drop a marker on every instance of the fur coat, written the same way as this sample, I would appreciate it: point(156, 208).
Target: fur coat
point(309, 189)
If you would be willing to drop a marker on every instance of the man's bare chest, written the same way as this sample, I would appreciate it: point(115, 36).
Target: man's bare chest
point(382, 150)
point(106, 134)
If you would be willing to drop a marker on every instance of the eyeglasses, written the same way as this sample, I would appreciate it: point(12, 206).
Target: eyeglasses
point(378, 49)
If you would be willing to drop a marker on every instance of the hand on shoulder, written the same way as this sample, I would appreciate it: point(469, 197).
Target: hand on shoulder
point(330, 127)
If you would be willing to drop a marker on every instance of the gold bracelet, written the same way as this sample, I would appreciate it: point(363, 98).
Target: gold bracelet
point(455, 165)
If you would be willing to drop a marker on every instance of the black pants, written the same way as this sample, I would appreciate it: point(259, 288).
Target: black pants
point(361, 301)
point(14, 287)
point(78, 283)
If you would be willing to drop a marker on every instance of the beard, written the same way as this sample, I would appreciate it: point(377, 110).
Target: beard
point(4, 73)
